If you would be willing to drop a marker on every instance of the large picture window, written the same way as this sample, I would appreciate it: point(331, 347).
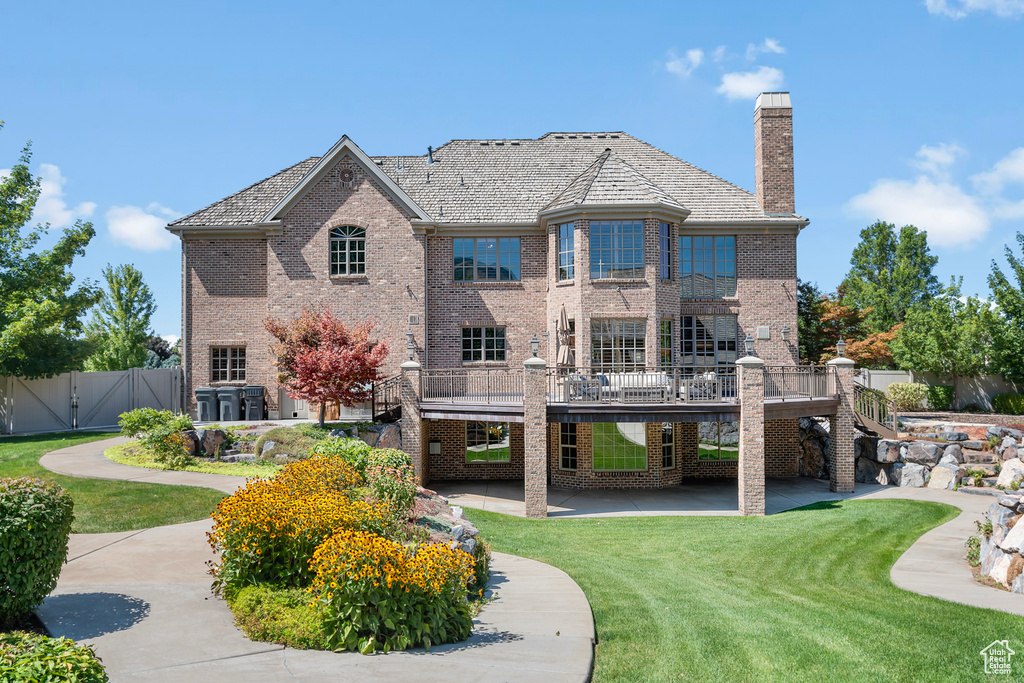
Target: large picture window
point(618, 345)
point(567, 445)
point(487, 442)
point(348, 250)
point(708, 341)
point(227, 364)
point(483, 343)
point(616, 249)
point(620, 446)
point(483, 259)
point(566, 252)
point(707, 266)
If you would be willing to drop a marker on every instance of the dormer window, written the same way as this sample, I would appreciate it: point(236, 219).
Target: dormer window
point(348, 250)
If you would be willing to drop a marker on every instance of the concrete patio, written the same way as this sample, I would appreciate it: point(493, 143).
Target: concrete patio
point(702, 497)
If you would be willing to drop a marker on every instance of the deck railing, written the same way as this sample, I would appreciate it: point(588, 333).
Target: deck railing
point(387, 397)
point(798, 382)
point(876, 411)
point(664, 385)
point(501, 385)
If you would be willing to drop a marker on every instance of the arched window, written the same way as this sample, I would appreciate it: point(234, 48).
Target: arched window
point(348, 250)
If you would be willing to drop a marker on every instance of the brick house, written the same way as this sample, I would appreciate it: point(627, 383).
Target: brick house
point(468, 256)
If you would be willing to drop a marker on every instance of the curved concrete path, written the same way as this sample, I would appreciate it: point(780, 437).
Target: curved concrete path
point(143, 599)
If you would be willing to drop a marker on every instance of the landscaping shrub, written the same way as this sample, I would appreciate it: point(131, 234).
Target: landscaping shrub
point(287, 441)
point(482, 565)
point(161, 431)
point(907, 395)
point(1008, 403)
point(393, 486)
point(34, 658)
point(267, 530)
point(940, 397)
point(387, 457)
point(279, 615)
point(144, 420)
point(35, 522)
point(353, 451)
point(373, 594)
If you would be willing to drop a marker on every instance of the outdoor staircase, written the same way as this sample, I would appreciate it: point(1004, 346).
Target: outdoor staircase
point(875, 413)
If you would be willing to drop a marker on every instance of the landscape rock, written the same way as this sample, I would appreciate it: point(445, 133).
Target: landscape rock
point(267, 445)
point(999, 431)
point(390, 436)
point(1013, 540)
point(910, 474)
point(1012, 471)
point(191, 442)
point(945, 477)
point(999, 515)
point(952, 454)
point(211, 441)
point(812, 460)
point(865, 446)
point(470, 531)
point(339, 433)
point(813, 426)
point(887, 451)
point(457, 512)
point(991, 552)
point(974, 445)
point(1017, 585)
point(871, 472)
point(369, 436)
point(457, 532)
point(922, 453)
point(1010, 453)
point(469, 545)
point(1008, 501)
point(953, 436)
point(1000, 569)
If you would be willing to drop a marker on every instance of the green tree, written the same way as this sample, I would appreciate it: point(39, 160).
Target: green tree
point(120, 322)
point(1010, 298)
point(890, 274)
point(40, 306)
point(809, 311)
point(949, 335)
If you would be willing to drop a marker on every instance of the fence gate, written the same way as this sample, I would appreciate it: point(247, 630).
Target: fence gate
point(84, 400)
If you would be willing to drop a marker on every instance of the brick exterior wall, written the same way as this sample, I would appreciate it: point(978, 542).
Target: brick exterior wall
point(841, 430)
point(752, 437)
point(782, 448)
point(535, 419)
point(451, 463)
point(773, 159)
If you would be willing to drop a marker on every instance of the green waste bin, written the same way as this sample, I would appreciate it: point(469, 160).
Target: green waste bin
point(253, 403)
point(206, 404)
point(230, 399)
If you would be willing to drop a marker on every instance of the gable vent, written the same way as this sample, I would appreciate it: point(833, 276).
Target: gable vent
point(414, 319)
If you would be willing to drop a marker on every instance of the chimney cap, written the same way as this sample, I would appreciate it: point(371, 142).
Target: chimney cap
point(773, 100)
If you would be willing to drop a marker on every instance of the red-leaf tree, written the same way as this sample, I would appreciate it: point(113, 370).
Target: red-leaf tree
point(322, 360)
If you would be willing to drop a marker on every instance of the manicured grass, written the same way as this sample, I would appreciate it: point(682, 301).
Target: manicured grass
point(799, 596)
point(101, 505)
point(134, 454)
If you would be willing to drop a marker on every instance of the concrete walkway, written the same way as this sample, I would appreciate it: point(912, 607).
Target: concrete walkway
point(143, 599)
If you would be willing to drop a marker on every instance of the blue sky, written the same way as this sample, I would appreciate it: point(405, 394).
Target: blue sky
point(139, 112)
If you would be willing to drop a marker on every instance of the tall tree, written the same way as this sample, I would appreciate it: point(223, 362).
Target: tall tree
point(949, 335)
point(812, 341)
point(120, 322)
point(1010, 298)
point(890, 274)
point(40, 306)
point(322, 360)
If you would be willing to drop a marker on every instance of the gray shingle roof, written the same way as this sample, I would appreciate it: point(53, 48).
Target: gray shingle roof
point(509, 181)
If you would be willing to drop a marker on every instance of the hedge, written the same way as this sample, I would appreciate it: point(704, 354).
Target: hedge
point(1008, 403)
point(34, 658)
point(940, 397)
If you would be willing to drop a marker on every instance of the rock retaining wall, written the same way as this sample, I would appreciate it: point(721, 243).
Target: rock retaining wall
point(1000, 553)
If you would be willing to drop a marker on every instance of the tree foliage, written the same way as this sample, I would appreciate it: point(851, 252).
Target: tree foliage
point(1010, 298)
point(810, 335)
point(40, 306)
point(322, 360)
point(889, 274)
point(120, 322)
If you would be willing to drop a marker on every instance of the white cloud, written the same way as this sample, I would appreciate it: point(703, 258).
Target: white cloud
point(749, 84)
point(768, 46)
point(1007, 171)
point(684, 66)
point(958, 9)
point(171, 339)
point(1009, 210)
point(936, 160)
point(949, 215)
point(51, 207)
point(139, 228)
point(718, 54)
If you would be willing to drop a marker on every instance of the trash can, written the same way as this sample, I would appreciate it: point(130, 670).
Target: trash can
point(230, 399)
point(253, 403)
point(206, 404)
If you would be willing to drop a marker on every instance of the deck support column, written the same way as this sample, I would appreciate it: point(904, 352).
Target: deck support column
point(413, 441)
point(841, 430)
point(750, 381)
point(535, 424)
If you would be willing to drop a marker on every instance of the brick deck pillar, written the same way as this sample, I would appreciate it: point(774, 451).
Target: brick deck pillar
point(412, 425)
point(751, 462)
point(535, 423)
point(841, 430)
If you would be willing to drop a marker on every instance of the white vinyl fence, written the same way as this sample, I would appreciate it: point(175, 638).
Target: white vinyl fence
point(84, 400)
point(978, 390)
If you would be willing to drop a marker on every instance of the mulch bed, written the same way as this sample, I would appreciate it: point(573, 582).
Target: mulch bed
point(29, 622)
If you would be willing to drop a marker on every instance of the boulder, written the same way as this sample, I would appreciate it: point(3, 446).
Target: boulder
point(865, 446)
point(1017, 585)
point(990, 552)
point(922, 453)
point(871, 472)
point(1010, 452)
point(339, 433)
point(999, 515)
point(191, 442)
point(953, 436)
point(910, 474)
point(457, 532)
point(1010, 501)
point(1013, 540)
point(1000, 431)
point(812, 460)
point(469, 545)
point(1001, 568)
point(390, 436)
point(974, 445)
point(469, 531)
point(268, 445)
point(945, 477)
point(887, 451)
point(457, 512)
point(813, 427)
point(1011, 471)
point(211, 441)
point(952, 454)
point(369, 436)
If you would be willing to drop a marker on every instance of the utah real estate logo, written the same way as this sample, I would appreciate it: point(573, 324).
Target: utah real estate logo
point(997, 657)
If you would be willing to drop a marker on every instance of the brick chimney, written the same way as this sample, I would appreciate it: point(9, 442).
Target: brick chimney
point(773, 152)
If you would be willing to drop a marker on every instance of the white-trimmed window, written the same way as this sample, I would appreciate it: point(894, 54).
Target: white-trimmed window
point(486, 259)
point(618, 345)
point(664, 251)
point(566, 251)
point(668, 446)
point(616, 249)
point(487, 442)
point(227, 363)
point(707, 266)
point(620, 446)
point(483, 344)
point(567, 445)
point(348, 250)
point(708, 341)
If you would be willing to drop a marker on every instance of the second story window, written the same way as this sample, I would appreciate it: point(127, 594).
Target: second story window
point(618, 345)
point(616, 249)
point(486, 259)
point(664, 251)
point(707, 266)
point(666, 343)
point(483, 343)
point(348, 250)
point(566, 252)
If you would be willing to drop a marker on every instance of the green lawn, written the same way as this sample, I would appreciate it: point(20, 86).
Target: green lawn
point(136, 455)
point(799, 596)
point(101, 505)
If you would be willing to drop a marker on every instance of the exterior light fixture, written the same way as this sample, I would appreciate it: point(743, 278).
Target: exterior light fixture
point(410, 346)
point(785, 334)
point(535, 345)
point(748, 345)
point(840, 348)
